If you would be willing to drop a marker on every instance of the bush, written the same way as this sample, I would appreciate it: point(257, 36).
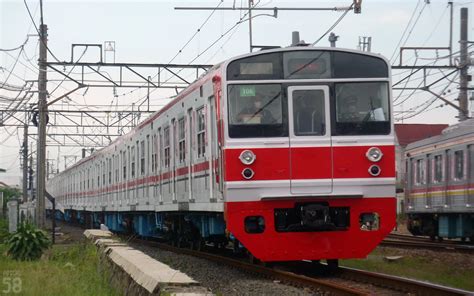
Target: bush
point(27, 243)
point(3, 230)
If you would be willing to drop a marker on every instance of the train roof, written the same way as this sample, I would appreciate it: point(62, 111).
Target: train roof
point(455, 131)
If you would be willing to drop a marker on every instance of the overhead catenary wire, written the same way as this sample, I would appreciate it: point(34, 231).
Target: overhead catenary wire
point(335, 24)
point(404, 31)
point(240, 21)
point(37, 30)
point(409, 34)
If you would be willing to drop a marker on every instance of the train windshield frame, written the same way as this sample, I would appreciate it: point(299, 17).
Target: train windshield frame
point(350, 69)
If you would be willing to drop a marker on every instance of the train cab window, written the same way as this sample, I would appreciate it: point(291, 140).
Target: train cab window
point(362, 109)
point(438, 169)
point(256, 110)
point(308, 113)
point(459, 165)
point(201, 131)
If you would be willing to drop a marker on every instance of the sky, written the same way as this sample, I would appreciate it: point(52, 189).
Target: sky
point(154, 32)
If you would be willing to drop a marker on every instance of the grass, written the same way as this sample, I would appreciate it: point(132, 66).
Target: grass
point(63, 270)
point(417, 267)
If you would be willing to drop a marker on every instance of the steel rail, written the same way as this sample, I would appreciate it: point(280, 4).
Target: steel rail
point(377, 279)
point(281, 275)
point(399, 283)
point(428, 245)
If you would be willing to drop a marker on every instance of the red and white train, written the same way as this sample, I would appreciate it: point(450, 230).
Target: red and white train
point(288, 152)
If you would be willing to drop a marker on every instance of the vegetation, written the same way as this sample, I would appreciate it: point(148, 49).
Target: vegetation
point(9, 193)
point(27, 243)
point(3, 230)
point(63, 270)
point(437, 268)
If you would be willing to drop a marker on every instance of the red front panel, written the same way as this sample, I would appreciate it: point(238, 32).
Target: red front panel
point(351, 162)
point(270, 164)
point(287, 246)
point(309, 163)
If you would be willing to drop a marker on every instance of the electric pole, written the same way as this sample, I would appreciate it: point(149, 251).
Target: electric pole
point(25, 160)
point(464, 65)
point(43, 115)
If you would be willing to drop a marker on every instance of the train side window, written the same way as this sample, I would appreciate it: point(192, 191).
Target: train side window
point(420, 174)
point(459, 165)
point(132, 151)
point(181, 140)
point(201, 131)
point(124, 165)
point(166, 145)
point(142, 158)
point(438, 169)
point(110, 171)
point(153, 155)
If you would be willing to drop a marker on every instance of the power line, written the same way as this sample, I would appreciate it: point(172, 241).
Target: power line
point(13, 68)
point(335, 24)
point(404, 31)
point(411, 30)
point(37, 30)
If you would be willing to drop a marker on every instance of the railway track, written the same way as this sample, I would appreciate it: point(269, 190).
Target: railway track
point(346, 281)
point(404, 241)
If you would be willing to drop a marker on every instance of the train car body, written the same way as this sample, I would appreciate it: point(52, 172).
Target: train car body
point(289, 153)
point(440, 184)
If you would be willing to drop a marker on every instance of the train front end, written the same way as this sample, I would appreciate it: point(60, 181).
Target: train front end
point(307, 143)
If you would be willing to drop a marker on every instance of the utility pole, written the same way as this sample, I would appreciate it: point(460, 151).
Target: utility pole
point(43, 115)
point(464, 65)
point(25, 160)
point(250, 24)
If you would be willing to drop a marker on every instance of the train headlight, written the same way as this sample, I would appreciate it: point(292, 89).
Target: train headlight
point(247, 157)
point(374, 170)
point(374, 154)
point(248, 173)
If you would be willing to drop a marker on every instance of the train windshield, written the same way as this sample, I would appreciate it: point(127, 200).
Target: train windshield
point(256, 110)
point(362, 108)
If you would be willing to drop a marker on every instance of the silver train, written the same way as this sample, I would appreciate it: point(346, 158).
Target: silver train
point(439, 195)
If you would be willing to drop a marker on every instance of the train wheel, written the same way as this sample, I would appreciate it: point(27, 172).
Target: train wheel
point(197, 245)
point(333, 265)
point(432, 238)
point(463, 239)
point(251, 258)
point(440, 239)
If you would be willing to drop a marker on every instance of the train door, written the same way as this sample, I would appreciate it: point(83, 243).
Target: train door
point(310, 140)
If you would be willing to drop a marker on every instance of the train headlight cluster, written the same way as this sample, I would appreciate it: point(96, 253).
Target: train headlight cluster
point(374, 154)
point(247, 157)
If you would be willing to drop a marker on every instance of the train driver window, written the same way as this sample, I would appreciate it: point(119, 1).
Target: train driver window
point(308, 113)
point(256, 110)
point(362, 108)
